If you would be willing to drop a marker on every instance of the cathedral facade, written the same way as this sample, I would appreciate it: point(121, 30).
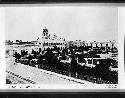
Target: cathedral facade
point(47, 41)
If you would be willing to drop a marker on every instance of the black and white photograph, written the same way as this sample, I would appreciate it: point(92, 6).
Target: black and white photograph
point(61, 45)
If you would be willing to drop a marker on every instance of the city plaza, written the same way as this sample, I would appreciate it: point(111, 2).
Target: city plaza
point(65, 55)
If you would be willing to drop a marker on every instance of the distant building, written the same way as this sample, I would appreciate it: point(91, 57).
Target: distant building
point(50, 41)
point(110, 44)
point(77, 43)
point(8, 42)
point(17, 47)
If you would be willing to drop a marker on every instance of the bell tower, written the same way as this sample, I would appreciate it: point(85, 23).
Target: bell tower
point(45, 32)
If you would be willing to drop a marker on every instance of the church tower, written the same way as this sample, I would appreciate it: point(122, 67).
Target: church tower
point(45, 32)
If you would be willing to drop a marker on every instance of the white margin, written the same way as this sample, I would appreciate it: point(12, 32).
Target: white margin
point(2, 49)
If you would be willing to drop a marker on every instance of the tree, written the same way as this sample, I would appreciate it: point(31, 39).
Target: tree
point(74, 64)
point(17, 40)
point(102, 70)
point(48, 55)
point(54, 61)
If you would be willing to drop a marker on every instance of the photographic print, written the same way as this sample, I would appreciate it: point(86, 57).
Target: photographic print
point(61, 45)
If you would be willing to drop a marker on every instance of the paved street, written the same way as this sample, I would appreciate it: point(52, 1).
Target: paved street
point(23, 74)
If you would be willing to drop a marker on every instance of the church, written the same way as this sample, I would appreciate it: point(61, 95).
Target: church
point(46, 40)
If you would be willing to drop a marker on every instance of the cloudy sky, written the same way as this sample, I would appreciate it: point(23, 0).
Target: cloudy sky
point(87, 23)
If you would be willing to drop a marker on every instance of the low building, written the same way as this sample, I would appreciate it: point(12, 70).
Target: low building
point(109, 45)
point(11, 49)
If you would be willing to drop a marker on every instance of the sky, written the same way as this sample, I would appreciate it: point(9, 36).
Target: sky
point(86, 23)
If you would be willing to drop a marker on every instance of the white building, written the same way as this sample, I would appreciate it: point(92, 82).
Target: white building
point(11, 49)
point(42, 43)
point(50, 41)
point(110, 44)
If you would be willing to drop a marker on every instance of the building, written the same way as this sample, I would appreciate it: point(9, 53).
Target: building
point(18, 47)
point(110, 44)
point(41, 43)
point(50, 41)
point(77, 43)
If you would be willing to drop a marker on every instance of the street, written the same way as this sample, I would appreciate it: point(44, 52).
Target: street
point(22, 74)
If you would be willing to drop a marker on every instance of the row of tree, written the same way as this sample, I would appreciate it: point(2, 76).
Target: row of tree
point(49, 61)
